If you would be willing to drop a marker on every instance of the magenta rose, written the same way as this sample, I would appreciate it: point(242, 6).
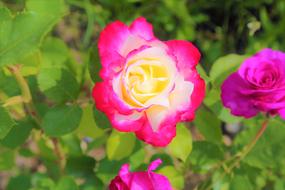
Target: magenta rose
point(148, 180)
point(258, 85)
point(148, 85)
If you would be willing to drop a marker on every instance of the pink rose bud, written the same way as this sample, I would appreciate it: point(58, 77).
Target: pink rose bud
point(258, 85)
point(148, 180)
point(148, 85)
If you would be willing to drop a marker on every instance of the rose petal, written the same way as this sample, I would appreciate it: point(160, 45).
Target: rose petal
point(154, 164)
point(239, 104)
point(165, 133)
point(282, 113)
point(122, 117)
point(160, 182)
point(187, 56)
point(142, 28)
point(111, 40)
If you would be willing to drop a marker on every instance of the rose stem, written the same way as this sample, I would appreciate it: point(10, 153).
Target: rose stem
point(250, 146)
point(26, 93)
point(245, 151)
point(30, 108)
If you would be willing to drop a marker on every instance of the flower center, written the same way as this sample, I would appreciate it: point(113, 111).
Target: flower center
point(143, 80)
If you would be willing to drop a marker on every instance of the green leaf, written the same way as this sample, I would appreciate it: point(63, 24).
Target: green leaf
point(42, 182)
point(181, 145)
point(94, 65)
point(107, 170)
point(66, 183)
point(209, 125)
point(58, 84)
point(213, 102)
point(203, 73)
point(80, 166)
point(88, 127)
point(72, 143)
point(167, 160)
point(9, 85)
point(120, 145)
point(7, 158)
point(176, 178)
point(22, 182)
point(55, 52)
point(6, 122)
point(240, 182)
point(220, 183)
point(61, 120)
point(269, 151)
point(101, 119)
point(18, 134)
point(205, 155)
point(279, 184)
point(22, 34)
point(224, 66)
point(31, 64)
point(137, 158)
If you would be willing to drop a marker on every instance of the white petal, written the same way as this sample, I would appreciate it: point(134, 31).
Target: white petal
point(181, 95)
point(133, 42)
point(156, 114)
point(134, 116)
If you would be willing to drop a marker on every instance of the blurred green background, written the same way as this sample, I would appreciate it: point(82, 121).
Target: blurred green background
point(60, 65)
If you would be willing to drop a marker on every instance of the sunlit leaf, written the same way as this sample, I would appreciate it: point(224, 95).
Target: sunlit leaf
point(6, 122)
point(120, 145)
point(61, 120)
point(22, 34)
point(181, 145)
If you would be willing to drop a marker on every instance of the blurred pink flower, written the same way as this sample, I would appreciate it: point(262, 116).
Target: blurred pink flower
point(258, 85)
point(148, 180)
point(148, 85)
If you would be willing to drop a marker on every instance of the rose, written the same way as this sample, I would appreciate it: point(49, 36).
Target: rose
point(258, 85)
point(148, 180)
point(148, 85)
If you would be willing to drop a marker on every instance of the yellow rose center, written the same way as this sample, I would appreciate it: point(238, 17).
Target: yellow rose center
point(143, 80)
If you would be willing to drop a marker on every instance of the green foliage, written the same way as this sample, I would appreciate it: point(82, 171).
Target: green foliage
point(6, 122)
point(205, 155)
point(88, 126)
point(268, 152)
point(176, 179)
point(181, 145)
point(18, 134)
point(61, 120)
point(7, 159)
point(120, 145)
point(22, 34)
point(66, 183)
point(58, 85)
point(240, 182)
point(224, 66)
point(19, 182)
point(211, 131)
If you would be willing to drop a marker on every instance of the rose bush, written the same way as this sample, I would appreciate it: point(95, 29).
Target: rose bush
point(148, 180)
point(148, 85)
point(258, 85)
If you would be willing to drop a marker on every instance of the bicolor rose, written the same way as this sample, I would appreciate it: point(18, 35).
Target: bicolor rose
point(148, 180)
point(148, 85)
point(258, 85)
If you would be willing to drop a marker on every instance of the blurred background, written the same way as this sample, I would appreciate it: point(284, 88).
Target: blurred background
point(224, 31)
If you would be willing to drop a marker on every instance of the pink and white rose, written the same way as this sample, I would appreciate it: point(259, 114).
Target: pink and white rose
point(148, 85)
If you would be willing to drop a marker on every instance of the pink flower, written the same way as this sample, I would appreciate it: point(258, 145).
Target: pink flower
point(148, 180)
point(148, 85)
point(258, 85)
